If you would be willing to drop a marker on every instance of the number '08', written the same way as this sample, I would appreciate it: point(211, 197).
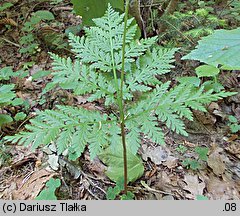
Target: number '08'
point(230, 207)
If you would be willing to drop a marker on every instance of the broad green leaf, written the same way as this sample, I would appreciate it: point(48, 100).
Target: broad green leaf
point(49, 192)
point(190, 163)
point(220, 48)
point(44, 15)
point(20, 116)
point(4, 119)
point(94, 8)
point(207, 71)
point(17, 101)
point(114, 160)
point(235, 128)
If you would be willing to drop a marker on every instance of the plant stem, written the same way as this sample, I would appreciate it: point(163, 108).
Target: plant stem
point(119, 90)
point(121, 104)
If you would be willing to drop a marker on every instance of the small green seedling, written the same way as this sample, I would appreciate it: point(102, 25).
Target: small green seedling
point(113, 192)
point(29, 41)
point(233, 124)
point(181, 149)
point(195, 164)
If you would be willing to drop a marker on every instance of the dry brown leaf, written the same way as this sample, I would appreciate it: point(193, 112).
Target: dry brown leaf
point(189, 144)
point(193, 186)
point(213, 106)
point(81, 99)
point(218, 189)
point(96, 166)
point(166, 182)
point(204, 117)
point(22, 155)
point(157, 154)
point(234, 148)
point(28, 189)
point(171, 162)
point(216, 161)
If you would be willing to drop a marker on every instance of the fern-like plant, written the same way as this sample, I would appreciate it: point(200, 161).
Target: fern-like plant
point(111, 65)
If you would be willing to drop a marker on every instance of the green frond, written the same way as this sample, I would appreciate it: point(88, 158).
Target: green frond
point(149, 100)
point(146, 124)
point(151, 129)
point(63, 140)
point(65, 72)
point(172, 120)
point(82, 79)
point(105, 39)
point(79, 142)
point(156, 62)
point(133, 138)
point(170, 106)
point(97, 139)
point(138, 48)
point(113, 132)
point(64, 127)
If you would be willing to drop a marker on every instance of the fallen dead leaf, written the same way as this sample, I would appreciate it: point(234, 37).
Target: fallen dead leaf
point(189, 144)
point(213, 106)
point(96, 166)
point(157, 155)
point(224, 190)
point(171, 162)
point(204, 117)
point(234, 148)
point(166, 182)
point(193, 185)
point(216, 161)
point(53, 161)
point(28, 189)
point(168, 197)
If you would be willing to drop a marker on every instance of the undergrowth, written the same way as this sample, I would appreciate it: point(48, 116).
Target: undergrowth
point(112, 66)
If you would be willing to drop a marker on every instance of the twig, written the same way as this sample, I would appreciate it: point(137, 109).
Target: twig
point(95, 196)
point(66, 8)
point(29, 117)
point(151, 190)
point(230, 2)
point(94, 185)
point(87, 176)
point(8, 41)
point(184, 36)
point(150, 5)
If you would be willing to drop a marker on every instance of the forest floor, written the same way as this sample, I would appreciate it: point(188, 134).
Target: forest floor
point(173, 171)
